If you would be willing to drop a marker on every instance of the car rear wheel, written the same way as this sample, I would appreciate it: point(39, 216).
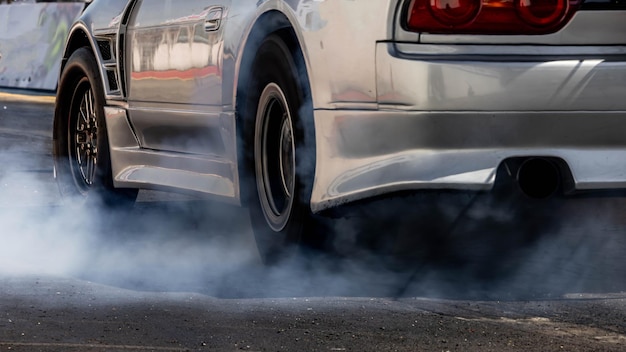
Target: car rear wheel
point(81, 148)
point(280, 159)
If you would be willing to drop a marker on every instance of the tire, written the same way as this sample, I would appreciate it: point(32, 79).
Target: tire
point(81, 145)
point(279, 153)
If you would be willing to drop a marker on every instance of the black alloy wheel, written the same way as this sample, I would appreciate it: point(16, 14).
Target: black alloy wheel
point(81, 148)
point(83, 137)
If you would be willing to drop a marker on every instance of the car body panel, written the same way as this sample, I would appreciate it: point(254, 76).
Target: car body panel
point(393, 110)
point(588, 80)
point(174, 83)
point(106, 15)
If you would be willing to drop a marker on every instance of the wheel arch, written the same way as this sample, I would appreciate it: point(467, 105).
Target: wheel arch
point(78, 38)
point(269, 22)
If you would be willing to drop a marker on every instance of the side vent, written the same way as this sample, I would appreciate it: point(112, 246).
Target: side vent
point(105, 49)
point(112, 79)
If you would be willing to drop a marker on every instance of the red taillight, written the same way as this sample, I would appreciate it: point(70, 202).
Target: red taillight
point(490, 16)
point(454, 12)
point(542, 13)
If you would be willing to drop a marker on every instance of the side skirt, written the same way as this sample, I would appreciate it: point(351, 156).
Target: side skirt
point(136, 167)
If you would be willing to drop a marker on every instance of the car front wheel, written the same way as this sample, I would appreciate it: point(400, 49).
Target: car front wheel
point(81, 148)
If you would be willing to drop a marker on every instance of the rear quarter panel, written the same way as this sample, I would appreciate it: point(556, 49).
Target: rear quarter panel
point(338, 39)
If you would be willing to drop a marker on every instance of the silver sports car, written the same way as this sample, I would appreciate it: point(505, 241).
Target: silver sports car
point(294, 107)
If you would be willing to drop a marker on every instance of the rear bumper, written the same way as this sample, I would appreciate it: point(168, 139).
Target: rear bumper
point(361, 154)
point(446, 116)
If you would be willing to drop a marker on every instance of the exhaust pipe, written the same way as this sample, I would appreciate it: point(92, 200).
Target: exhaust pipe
point(538, 178)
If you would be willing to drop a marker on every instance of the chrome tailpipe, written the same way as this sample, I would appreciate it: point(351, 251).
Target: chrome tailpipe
point(539, 178)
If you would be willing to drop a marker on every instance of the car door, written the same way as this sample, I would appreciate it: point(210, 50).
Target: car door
point(174, 74)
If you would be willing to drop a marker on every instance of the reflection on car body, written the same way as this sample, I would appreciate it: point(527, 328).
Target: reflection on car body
point(294, 107)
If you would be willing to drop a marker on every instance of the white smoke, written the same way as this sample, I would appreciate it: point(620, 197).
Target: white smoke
point(433, 244)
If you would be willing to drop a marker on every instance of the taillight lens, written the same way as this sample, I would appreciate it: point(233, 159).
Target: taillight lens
point(542, 13)
point(454, 12)
point(490, 16)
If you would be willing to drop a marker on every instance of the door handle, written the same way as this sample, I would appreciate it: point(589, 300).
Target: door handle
point(213, 19)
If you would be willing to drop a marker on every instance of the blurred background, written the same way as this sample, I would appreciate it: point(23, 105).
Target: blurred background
point(32, 35)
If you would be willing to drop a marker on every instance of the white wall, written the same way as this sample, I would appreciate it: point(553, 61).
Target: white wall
point(32, 37)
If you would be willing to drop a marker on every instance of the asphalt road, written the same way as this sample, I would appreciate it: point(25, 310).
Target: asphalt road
point(449, 272)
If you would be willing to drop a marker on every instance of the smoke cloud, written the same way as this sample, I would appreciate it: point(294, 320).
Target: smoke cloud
point(433, 244)
point(190, 245)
